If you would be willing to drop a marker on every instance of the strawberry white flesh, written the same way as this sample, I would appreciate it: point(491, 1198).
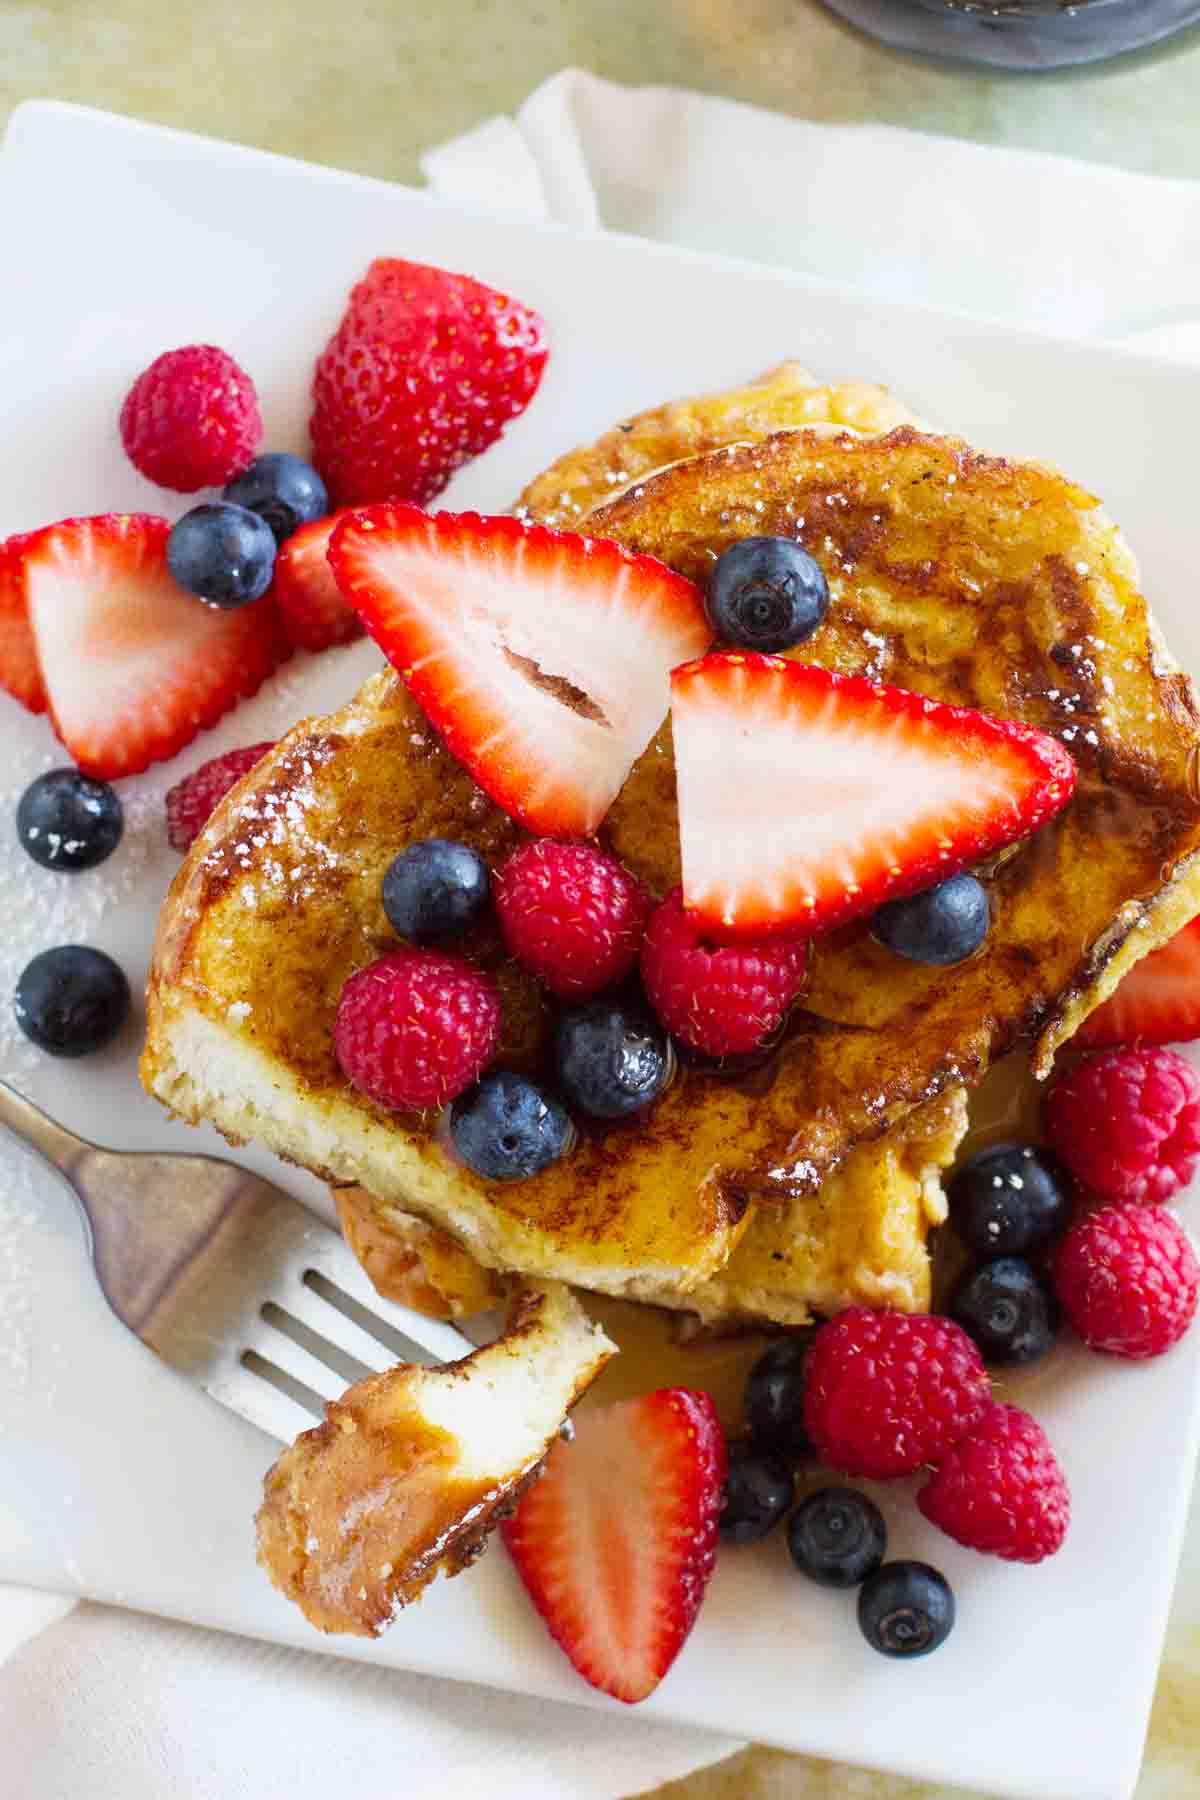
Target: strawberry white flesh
point(807, 798)
point(543, 658)
point(616, 1542)
point(134, 667)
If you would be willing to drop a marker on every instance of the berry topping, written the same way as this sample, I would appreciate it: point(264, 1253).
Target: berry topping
point(837, 1537)
point(542, 658)
point(1157, 1002)
point(943, 924)
point(191, 419)
point(508, 1128)
point(775, 1398)
point(1126, 1278)
point(423, 373)
point(65, 821)
point(617, 1541)
point(223, 554)
point(1008, 1311)
point(434, 889)
point(806, 798)
point(283, 490)
point(133, 667)
point(722, 999)
point(192, 801)
point(310, 603)
point(886, 1392)
point(71, 1000)
point(20, 674)
point(572, 914)
point(758, 1491)
point(612, 1060)
point(1001, 1490)
point(1008, 1198)
point(1127, 1124)
point(766, 593)
point(906, 1609)
point(415, 1028)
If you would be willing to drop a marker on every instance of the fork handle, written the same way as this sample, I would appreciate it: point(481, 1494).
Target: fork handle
point(58, 1145)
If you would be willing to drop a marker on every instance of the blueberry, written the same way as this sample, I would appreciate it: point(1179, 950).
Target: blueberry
point(837, 1537)
point(1010, 1198)
point(766, 593)
point(282, 489)
point(435, 889)
point(906, 1609)
point(66, 821)
point(758, 1491)
point(507, 1128)
point(223, 554)
point(943, 925)
point(612, 1060)
point(71, 1001)
point(775, 1398)
point(1009, 1312)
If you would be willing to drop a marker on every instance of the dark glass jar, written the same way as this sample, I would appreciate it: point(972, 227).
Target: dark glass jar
point(1029, 35)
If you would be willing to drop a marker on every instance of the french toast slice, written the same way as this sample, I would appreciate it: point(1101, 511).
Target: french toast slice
point(411, 1469)
point(786, 397)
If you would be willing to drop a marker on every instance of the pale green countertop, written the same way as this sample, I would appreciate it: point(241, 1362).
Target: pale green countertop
point(368, 84)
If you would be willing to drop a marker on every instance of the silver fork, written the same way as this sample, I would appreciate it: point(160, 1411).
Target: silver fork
point(229, 1279)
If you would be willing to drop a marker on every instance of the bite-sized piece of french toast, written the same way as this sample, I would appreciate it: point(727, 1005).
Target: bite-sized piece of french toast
point(784, 398)
point(412, 1468)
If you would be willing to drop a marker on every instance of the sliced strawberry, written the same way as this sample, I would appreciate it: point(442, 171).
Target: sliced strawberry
point(1158, 1002)
point(310, 603)
point(133, 666)
point(616, 1542)
point(542, 658)
point(806, 799)
point(20, 675)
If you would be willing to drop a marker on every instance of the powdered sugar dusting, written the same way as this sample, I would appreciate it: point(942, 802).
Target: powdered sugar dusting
point(18, 1219)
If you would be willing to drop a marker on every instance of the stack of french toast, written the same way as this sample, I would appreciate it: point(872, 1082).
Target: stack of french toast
point(761, 1195)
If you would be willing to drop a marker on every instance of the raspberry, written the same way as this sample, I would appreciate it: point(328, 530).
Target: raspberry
point(721, 1000)
point(572, 914)
point(1127, 1124)
point(415, 1029)
point(191, 420)
point(192, 801)
point(1126, 1278)
point(886, 1392)
point(1001, 1490)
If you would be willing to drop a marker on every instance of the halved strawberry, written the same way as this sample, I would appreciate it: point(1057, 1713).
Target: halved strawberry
point(543, 658)
point(806, 798)
point(134, 667)
point(1158, 1002)
point(310, 603)
point(616, 1542)
point(20, 675)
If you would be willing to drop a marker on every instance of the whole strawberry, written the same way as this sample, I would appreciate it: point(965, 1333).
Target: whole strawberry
point(571, 913)
point(1001, 1490)
point(191, 420)
point(1127, 1124)
point(423, 373)
point(887, 1392)
point(1126, 1278)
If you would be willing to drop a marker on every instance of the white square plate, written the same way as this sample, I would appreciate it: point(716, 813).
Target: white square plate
point(123, 240)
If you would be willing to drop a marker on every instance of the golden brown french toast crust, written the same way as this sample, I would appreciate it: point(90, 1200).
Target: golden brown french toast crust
point(973, 580)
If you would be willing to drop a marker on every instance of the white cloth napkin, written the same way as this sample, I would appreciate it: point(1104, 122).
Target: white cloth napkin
point(113, 1707)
